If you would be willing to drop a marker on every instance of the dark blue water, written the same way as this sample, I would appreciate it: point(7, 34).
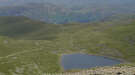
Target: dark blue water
point(83, 61)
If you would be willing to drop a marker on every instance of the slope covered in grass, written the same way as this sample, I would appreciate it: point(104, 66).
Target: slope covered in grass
point(110, 39)
point(25, 48)
point(27, 57)
point(22, 27)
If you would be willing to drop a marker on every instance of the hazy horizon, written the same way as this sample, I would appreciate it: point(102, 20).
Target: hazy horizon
point(67, 2)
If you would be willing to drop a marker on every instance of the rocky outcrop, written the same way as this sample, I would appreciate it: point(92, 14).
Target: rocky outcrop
point(116, 70)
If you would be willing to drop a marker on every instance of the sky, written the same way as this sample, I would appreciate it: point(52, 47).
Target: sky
point(67, 2)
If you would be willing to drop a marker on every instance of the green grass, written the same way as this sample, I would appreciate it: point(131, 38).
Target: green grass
point(24, 28)
point(29, 56)
point(37, 49)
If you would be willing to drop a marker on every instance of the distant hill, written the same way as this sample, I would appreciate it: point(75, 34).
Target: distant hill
point(69, 11)
point(22, 27)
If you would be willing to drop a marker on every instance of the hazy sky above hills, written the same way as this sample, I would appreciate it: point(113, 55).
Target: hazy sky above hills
point(68, 2)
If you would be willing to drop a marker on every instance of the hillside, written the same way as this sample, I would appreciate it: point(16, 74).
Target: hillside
point(25, 48)
point(22, 27)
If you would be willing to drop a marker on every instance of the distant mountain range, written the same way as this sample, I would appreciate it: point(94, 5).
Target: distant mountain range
point(69, 11)
point(72, 11)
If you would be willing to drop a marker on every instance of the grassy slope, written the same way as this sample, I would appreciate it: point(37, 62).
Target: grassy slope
point(30, 55)
point(24, 28)
point(115, 39)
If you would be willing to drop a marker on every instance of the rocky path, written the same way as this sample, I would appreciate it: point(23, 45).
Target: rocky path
point(124, 70)
point(17, 53)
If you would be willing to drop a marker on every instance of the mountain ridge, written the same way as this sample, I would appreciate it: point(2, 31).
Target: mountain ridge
point(61, 14)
